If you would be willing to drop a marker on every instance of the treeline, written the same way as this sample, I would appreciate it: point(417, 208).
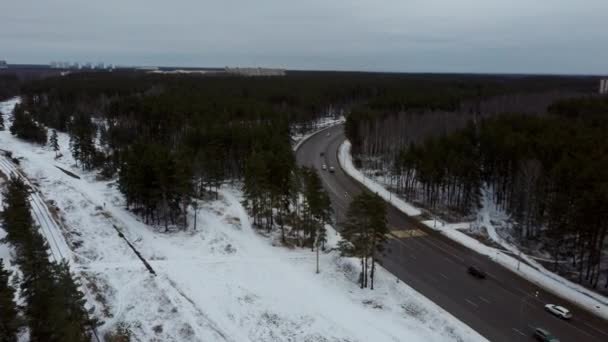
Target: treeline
point(443, 173)
point(431, 107)
point(53, 308)
point(172, 139)
point(548, 172)
point(9, 85)
point(378, 136)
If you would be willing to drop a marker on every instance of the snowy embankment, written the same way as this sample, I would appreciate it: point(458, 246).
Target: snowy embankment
point(346, 162)
point(219, 282)
point(530, 270)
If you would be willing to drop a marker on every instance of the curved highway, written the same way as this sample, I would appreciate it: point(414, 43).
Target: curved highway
point(502, 307)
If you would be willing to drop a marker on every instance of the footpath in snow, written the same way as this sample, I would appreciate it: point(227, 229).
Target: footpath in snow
point(219, 282)
point(531, 270)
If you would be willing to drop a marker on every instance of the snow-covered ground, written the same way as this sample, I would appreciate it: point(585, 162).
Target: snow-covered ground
point(346, 162)
point(220, 282)
point(531, 269)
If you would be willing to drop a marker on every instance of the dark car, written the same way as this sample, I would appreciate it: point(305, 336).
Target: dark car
point(545, 336)
point(322, 154)
point(476, 272)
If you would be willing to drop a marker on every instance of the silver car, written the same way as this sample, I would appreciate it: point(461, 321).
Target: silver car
point(558, 311)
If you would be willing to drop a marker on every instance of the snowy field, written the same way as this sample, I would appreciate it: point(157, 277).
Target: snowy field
point(531, 269)
point(220, 282)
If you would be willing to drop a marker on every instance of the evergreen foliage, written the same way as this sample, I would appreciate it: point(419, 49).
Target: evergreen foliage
point(26, 128)
point(364, 233)
point(54, 306)
point(9, 315)
point(54, 142)
point(2, 122)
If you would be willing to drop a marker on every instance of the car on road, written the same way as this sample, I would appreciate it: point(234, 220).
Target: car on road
point(331, 169)
point(324, 167)
point(476, 272)
point(558, 311)
point(545, 336)
point(322, 154)
point(328, 134)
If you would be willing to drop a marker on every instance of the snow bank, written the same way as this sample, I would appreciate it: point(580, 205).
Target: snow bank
point(346, 162)
point(221, 281)
point(537, 274)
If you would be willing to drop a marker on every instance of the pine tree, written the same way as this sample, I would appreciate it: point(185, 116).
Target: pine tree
point(9, 319)
point(55, 143)
point(365, 232)
point(1, 122)
point(26, 128)
point(54, 307)
point(71, 318)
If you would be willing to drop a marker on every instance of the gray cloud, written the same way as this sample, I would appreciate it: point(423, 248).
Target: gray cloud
point(546, 36)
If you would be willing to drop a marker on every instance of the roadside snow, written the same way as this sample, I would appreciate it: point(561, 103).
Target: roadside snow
point(220, 282)
point(322, 124)
point(533, 271)
point(346, 162)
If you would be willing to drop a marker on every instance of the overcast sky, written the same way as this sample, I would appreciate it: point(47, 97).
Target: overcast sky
point(514, 36)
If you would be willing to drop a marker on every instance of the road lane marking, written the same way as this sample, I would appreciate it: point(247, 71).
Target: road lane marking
point(596, 329)
point(443, 249)
point(579, 329)
point(485, 300)
point(443, 275)
point(470, 302)
point(519, 332)
point(450, 260)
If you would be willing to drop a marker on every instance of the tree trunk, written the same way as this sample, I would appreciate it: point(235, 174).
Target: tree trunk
point(372, 273)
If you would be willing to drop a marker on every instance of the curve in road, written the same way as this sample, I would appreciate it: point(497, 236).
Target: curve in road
point(503, 307)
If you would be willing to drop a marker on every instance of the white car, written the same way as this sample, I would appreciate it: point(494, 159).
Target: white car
point(324, 167)
point(331, 169)
point(558, 311)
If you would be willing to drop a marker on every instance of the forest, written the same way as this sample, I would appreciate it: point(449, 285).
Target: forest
point(173, 140)
point(53, 306)
point(547, 168)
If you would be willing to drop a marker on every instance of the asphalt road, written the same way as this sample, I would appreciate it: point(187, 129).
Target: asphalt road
point(502, 307)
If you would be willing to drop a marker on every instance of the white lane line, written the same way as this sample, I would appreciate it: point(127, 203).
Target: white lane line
point(485, 300)
point(450, 260)
point(443, 275)
point(519, 332)
point(596, 329)
point(444, 250)
point(580, 330)
point(470, 302)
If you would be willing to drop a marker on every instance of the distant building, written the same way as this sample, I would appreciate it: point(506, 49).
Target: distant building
point(604, 86)
point(254, 71)
point(3, 64)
